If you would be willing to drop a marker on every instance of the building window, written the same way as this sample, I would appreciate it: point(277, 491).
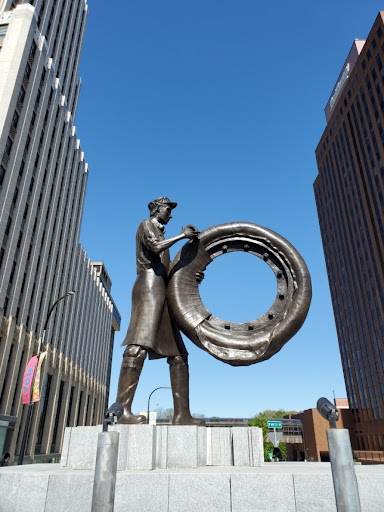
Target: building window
point(7, 372)
point(37, 102)
point(94, 413)
point(42, 7)
point(25, 211)
point(23, 284)
point(19, 239)
point(27, 143)
point(8, 146)
point(8, 227)
point(56, 426)
point(1, 256)
point(2, 174)
point(70, 404)
point(80, 406)
point(33, 49)
point(15, 120)
point(20, 98)
point(12, 275)
point(3, 31)
point(27, 71)
point(44, 403)
point(21, 170)
point(15, 196)
point(6, 306)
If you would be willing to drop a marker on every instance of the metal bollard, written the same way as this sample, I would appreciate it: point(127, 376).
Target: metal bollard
point(343, 471)
point(104, 484)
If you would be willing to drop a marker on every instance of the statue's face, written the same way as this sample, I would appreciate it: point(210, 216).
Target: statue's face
point(164, 214)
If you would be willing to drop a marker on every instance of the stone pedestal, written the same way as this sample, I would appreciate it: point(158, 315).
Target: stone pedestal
point(148, 447)
point(181, 447)
point(281, 486)
point(219, 449)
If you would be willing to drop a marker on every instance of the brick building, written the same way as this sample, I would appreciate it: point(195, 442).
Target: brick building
point(315, 445)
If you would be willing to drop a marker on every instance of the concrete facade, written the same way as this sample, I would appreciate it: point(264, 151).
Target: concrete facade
point(349, 192)
point(43, 177)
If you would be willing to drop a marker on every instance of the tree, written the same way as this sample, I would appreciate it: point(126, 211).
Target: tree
point(260, 420)
point(168, 413)
point(164, 413)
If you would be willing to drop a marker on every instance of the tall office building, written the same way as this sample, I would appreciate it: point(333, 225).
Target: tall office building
point(349, 193)
point(43, 176)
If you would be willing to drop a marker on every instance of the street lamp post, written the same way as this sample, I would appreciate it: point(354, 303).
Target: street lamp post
point(68, 294)
point(30, 405)
point(149, 398)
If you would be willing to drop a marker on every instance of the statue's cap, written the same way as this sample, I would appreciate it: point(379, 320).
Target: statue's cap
point(159, 201)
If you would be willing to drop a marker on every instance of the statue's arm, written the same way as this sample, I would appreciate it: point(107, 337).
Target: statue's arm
point(158, 246)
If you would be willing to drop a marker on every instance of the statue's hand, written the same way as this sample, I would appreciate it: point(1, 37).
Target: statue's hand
point(190, 231)
point(199, 276)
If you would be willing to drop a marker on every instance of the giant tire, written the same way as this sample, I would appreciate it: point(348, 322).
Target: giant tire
point(240, 344)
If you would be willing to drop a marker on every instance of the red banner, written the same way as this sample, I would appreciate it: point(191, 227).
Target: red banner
point(28, 379)
point(36, 383)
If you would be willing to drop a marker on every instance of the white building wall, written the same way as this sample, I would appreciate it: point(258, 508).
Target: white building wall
point(43, 177)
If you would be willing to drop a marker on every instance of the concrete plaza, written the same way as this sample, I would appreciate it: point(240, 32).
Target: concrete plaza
point(282, 486)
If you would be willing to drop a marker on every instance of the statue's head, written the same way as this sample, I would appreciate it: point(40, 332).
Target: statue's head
point(161, 209)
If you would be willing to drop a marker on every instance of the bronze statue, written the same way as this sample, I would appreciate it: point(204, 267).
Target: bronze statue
point(151, 329)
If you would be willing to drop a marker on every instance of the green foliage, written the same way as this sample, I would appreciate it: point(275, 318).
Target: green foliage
point(260, 420)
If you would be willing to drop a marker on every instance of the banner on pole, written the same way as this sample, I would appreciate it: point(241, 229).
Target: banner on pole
point(36, 382)
point(28, 380)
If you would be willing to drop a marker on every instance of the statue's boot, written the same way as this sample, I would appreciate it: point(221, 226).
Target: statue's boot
point(129, 377)
point(180, 389)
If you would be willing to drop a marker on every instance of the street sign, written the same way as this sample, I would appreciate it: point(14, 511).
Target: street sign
point(275, 437)
point(274, 424)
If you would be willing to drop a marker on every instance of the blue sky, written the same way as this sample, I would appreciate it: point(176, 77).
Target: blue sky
point(218, 105)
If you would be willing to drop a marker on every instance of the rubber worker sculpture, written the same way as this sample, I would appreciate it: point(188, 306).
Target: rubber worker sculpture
point(151, 329)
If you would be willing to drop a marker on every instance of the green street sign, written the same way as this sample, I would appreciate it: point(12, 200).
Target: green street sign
point(274, 424)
